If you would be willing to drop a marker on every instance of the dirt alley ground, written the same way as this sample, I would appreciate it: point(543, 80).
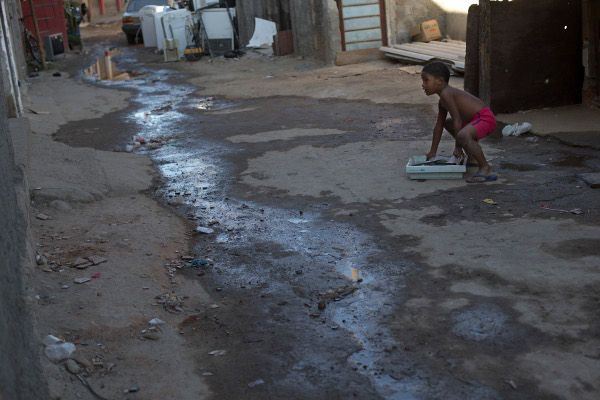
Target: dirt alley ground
point(327, 273)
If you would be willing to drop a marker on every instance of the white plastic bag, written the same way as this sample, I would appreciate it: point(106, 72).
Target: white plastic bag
point(516, 129)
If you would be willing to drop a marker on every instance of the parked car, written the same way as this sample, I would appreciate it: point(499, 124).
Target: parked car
point(131, 18)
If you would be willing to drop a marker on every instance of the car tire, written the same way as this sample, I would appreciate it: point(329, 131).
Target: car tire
point(131, 38)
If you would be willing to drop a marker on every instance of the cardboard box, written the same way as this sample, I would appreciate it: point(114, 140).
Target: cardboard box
point(426, 32)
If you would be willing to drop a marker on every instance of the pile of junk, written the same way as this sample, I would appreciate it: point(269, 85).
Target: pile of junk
point(190, 29)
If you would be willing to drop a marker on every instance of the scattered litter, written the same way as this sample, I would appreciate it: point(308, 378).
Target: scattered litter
point(81, 263)
point(208, 374)
point(516, 129)
point(97, 259)
point(57, 74)
point(256, 382)
point(532, 139)
point(213, 306)
point(575, 211)
point(511, 383)
point(268, 76)
point(412, 69)
point(43, 217)
point(96, 276)
point(57, 349)
point(39, 112)
point(51, 339)
point(204, 230)
point(82, 280)
point(197, 264)
point(156, 321)
point(170, 303)
point(345, 75)
point(139, 140)
point(490, 201)
point(132, 390)
point(218, 353)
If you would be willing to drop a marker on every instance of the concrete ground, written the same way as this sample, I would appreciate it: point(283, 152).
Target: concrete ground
point(460, 291)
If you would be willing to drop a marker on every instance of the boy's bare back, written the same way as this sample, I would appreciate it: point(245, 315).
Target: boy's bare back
point(466, 104)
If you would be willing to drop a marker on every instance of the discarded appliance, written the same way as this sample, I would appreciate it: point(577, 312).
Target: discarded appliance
point(147, 14)
point(171, 50)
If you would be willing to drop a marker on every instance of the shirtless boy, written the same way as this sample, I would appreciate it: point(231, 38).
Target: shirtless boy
point(469, 120)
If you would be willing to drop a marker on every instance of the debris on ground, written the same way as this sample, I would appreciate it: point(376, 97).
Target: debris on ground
point(591, 179)
point(490, 201)
point(256, 382)
point(218, 353)
point(198, 264)
point(204, 230)
point(72, 366)
point(57, 349)
point(81, 280)
point(43, 217)
point(170, 303)
point(575, 211)
point(156, 321)
point(516, 129)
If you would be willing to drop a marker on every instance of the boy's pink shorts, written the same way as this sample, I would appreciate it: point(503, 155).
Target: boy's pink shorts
point(484, 122)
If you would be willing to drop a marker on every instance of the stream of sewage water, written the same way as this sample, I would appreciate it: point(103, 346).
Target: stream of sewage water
point(196, 175)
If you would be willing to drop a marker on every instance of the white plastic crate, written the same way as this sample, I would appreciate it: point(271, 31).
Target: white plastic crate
point(449, 171)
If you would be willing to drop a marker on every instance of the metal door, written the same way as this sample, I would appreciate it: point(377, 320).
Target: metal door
point(362, 23)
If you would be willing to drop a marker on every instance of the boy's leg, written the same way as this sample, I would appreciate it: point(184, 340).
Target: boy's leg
point(467, 137)
point(450, 128)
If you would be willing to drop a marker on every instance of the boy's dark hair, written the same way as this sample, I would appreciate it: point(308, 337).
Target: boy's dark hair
point(437, 70)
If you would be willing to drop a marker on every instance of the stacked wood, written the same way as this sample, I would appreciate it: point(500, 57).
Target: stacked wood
point(450, 52)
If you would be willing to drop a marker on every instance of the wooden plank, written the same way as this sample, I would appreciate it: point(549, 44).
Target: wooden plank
point(411, 54)
point(484, 51)
point(429, 48)
point(430, 52)
point(436, 47)
point(357, 56)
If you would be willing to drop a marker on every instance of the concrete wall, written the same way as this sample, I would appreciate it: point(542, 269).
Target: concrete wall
point(450, 14)
point(20, 373)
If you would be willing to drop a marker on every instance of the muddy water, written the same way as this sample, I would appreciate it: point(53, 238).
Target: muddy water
point(291, 250)
point(311, 290)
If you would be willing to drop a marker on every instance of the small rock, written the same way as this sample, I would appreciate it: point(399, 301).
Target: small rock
point(204, 230)
point(72, 366)
point(152, 336)
point(322, 304)
point(97, 259)
point(82, 280)
point(43, 217)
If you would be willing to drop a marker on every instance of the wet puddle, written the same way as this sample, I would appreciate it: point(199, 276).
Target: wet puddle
point(105, 69)
point(195, 176)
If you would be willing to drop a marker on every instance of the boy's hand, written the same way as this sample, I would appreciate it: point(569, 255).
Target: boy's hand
point(430, 155)
point(458, 152)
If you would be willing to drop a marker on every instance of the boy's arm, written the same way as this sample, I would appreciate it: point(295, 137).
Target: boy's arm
point(456, 118)
point(437, 131)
